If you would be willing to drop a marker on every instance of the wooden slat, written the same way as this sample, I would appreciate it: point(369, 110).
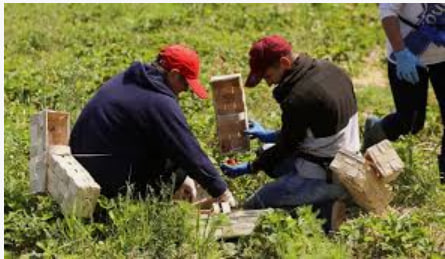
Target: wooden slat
point(231, 113)
point(383, 157)
point(38, 166)
point(240, 223)
point(58, 128)
point(70, 184)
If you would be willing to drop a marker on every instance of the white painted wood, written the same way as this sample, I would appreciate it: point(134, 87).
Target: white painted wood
point(71, 185)
point(47, 128)
point(54, 170)
point(37, 173)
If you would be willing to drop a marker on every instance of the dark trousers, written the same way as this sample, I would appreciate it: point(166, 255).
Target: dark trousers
point(411, 100)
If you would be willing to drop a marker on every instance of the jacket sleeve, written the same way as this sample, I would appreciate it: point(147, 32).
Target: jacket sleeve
point(295, 121)
point(182, 147)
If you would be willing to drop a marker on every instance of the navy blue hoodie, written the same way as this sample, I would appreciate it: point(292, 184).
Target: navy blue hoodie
point(133, 130)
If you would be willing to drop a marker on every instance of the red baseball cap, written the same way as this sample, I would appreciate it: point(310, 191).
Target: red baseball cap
point(264, 53)
point(186, 61)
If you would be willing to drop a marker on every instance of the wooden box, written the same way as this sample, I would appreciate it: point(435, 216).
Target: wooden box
point(53, 169)
point(231, 112)
point(47, 128)
point(367, 189)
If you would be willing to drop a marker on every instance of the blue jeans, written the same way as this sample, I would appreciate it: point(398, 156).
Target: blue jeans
point(291, 190)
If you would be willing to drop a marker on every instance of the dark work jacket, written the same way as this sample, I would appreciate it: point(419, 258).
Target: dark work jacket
point(134, 131)
point(313, 94)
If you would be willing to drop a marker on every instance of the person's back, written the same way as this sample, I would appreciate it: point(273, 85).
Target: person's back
point(322, 100)
point(116, 136)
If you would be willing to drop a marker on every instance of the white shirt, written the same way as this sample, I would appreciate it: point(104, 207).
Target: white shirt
point(416, 14)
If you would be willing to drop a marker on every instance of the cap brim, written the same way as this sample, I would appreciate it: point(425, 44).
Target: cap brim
point(253, 79)
point(197, 88)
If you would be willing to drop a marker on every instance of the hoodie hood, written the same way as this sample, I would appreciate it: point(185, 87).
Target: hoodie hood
point(148, 77)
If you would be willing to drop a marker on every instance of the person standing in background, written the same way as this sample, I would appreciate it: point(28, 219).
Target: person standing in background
point(416, 55)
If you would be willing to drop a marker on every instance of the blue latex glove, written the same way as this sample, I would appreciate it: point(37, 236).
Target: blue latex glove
point(406, 63)
point(236, 170)
point(257, 131)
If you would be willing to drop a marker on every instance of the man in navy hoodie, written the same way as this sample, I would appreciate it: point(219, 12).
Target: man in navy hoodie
point(134, 132)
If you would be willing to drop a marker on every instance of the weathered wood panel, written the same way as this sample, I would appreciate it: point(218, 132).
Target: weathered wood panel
point(70, 184)
point(240, 223)
point(231, 112)
point(47, 128)
point(359, 178)
point(54, 170)
point(385, 160)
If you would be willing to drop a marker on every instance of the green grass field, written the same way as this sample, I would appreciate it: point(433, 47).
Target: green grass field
point(57, 55)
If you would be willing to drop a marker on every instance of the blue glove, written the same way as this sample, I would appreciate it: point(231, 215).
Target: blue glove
point(257, 131)
point(406, 63)
point(236, 170)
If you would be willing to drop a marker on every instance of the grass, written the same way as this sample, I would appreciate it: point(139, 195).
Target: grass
point(57, 55)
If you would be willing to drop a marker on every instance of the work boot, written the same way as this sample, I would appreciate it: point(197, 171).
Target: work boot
point(374, 132)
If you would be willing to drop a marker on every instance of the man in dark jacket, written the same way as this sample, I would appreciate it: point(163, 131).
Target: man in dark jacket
point(319, 116)
point(133, 130)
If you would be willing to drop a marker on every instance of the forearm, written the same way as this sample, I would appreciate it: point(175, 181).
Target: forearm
point(391, 26)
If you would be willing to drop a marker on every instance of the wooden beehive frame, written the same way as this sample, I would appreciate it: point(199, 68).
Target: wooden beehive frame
point(53, 169)
point(231, 113)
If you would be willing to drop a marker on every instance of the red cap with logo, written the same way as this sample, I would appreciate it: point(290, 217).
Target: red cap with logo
point(264, 53)
point(186, 61)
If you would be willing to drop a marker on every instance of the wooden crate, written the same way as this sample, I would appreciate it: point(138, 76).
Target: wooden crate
point(53, 169)
point(385, 161)
point(231, 112)
point(366, 188)
point(47, 128)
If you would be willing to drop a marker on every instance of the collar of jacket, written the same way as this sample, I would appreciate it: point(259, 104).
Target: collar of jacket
point(299, 68)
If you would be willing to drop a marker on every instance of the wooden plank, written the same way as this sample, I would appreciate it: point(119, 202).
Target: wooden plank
point(38, 134)
point(367, 189)
point(70, 184)
point(385, 161)
point(38, 165)
point(240, 223)
point(231, 112)
point(58, 128)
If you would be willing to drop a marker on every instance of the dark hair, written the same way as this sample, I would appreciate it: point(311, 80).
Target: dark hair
point(157, 64)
